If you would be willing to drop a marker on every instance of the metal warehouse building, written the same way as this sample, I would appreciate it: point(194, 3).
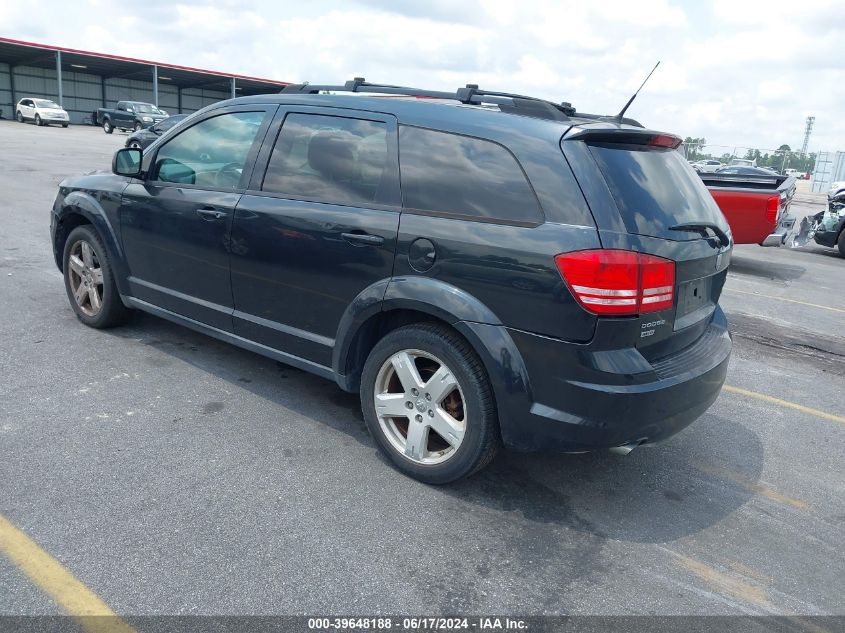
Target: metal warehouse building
point(81, 81)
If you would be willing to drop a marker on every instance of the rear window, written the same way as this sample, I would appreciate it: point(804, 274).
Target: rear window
point(463, 176)
point(655, 189)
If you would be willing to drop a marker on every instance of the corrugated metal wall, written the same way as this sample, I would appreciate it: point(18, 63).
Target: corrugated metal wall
point(5, 92)
point(83, 93)
point(829, 168)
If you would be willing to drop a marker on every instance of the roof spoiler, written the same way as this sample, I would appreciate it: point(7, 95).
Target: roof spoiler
point(623, 136)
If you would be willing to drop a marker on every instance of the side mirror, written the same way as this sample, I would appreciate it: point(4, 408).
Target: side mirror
point(127, 162)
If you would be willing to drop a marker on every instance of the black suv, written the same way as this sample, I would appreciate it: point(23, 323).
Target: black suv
point(483, 268)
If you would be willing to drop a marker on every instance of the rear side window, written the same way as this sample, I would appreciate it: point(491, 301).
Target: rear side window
point(655, 189)
point(332, 159)
point(463, 176)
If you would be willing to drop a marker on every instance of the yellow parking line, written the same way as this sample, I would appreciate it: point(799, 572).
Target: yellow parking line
point(722, 582)
point(803, 303)
point(752, 486)
point(70, 594)
point(785, 403)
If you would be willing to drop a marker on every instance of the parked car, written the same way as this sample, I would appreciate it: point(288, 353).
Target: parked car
point(143, 138)
point(41, 111)
point(826, 228)
point(129, 115)
point(707, 166)
point(755, 203)
point(742, 162)
point(553, 282)
point(836, 189)
point(746, 171)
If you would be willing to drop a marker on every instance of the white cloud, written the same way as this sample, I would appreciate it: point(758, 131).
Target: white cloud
point(739, 72)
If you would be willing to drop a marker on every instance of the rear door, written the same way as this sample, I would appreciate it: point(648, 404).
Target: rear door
point(317, 226)
point(639, 189)
point(27, 108)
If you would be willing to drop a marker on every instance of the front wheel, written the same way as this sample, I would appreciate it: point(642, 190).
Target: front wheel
point(38, 120)
point(64, 124)
point(107, 127)
point(89, 280)
point(841, 243)
point(137, 127)
point(135, 145)
point(19, 117)
point(427, 402)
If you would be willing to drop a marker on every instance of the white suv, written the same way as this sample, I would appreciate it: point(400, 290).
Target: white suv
point(707, 166)
point(42, 111)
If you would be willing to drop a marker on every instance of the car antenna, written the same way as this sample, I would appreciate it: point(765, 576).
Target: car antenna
point(634, 96)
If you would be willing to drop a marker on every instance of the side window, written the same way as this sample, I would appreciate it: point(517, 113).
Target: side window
point(464, 176)
point(211, 153)
point(331, 159)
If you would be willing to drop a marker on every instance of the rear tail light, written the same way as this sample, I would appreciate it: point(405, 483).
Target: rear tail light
point(664, 140)
point(621, 283)
point(772, 208)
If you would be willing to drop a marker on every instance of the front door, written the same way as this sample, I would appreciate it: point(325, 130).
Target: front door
point(317, 227)
point(175, 225)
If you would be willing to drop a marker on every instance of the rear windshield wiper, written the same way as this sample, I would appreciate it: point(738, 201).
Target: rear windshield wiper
point(701, 227)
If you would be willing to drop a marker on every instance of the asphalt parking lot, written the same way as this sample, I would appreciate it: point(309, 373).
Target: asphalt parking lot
point(174, 474)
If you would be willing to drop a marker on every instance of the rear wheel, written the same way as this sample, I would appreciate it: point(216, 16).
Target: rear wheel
point(427, 402)
point(38, 120)
point(841, 243)
point(107, 127)
point(19, 117)
point(89, 280)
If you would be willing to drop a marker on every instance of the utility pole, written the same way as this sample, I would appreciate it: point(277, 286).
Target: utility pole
point(807, 131)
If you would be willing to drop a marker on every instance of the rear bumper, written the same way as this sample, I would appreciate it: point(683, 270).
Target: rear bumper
point(778, 237)
point(580, 402)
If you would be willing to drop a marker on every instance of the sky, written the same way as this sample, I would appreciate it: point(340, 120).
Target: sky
point(736, 72)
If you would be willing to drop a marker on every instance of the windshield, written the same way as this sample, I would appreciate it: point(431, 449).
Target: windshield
point(655, 189)
point(46, 103)
point(146, 108)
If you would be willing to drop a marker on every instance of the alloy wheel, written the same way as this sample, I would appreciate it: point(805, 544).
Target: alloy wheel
point(420, 407)
point(86, 278)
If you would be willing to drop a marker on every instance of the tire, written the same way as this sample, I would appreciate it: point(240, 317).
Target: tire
point(467, 402)
point(107, 127)
point(840, 243)
point(136, 145)
point(64, 124)
point(19, 117)
point(38, 121)
point(81, 268)
point(137, 127)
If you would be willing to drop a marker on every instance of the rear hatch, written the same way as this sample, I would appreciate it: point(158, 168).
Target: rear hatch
point(648, 200)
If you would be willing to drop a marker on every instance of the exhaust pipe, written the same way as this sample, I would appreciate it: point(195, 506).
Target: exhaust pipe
point(624, 449)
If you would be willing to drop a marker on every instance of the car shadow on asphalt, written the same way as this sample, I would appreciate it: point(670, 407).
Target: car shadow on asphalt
point(654, 495)
point(765, 269)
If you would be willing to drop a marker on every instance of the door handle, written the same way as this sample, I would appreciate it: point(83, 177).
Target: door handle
point(363, 239)
point(210, 213)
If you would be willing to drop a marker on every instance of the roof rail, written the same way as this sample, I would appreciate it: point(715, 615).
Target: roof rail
point(508, 102)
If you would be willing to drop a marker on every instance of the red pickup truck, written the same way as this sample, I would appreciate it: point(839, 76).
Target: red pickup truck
point(756, 207)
